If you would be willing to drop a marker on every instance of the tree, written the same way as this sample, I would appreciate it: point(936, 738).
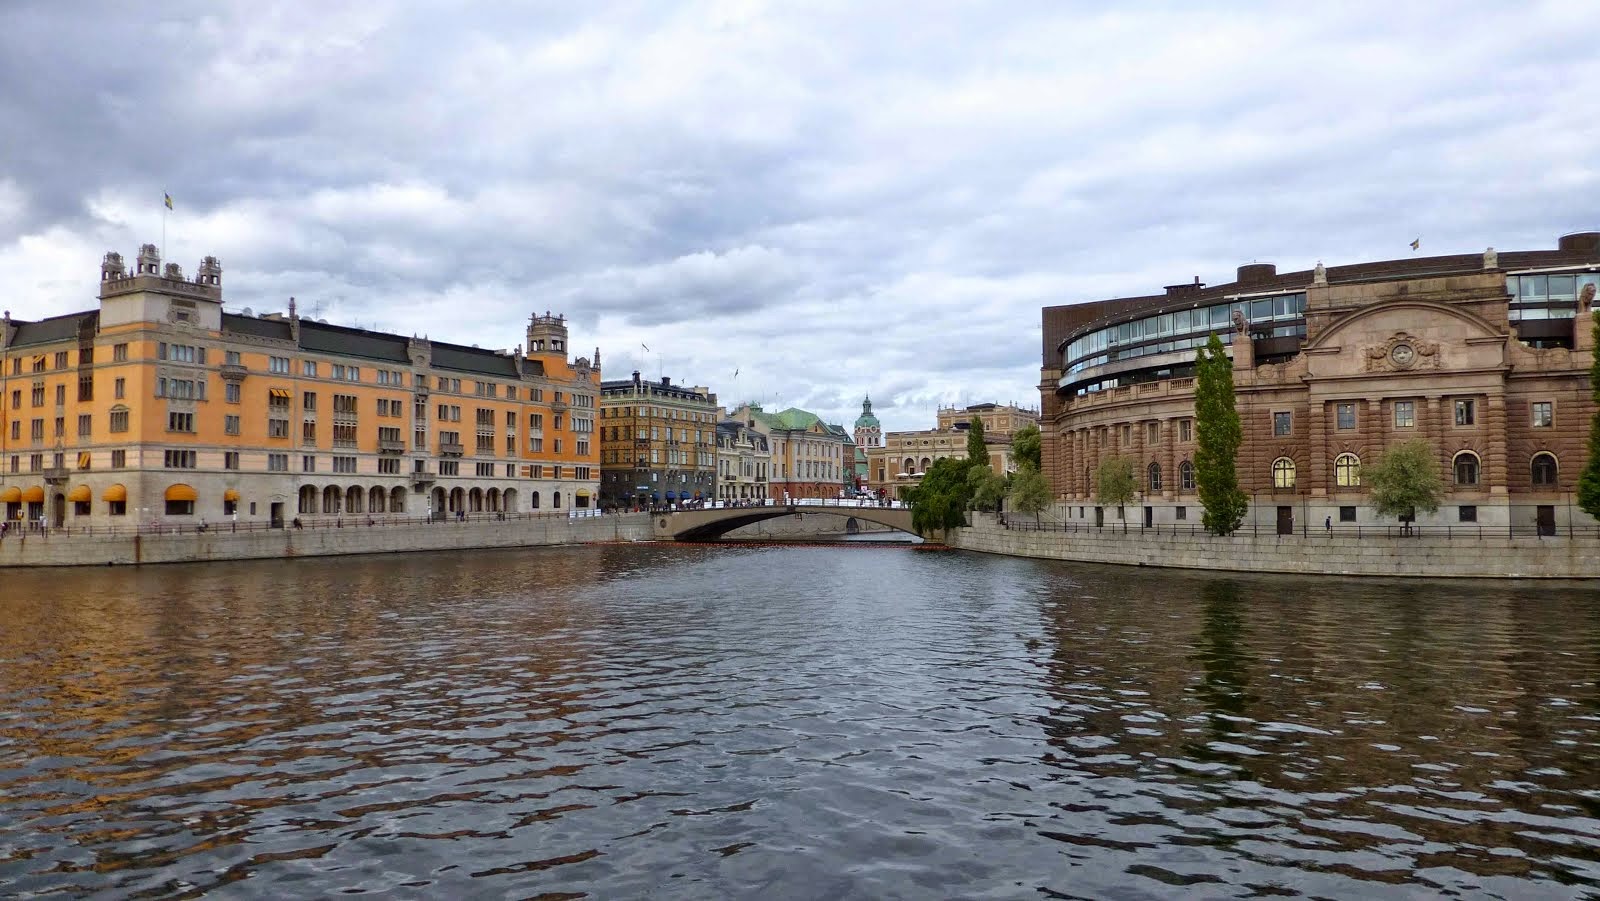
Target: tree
point(1218, 436)
point(1589, 480)
point(988, 489)
point(1026, 450)
point(1405, 480)
point(940, 500)
point(977, 451)
point(1029, 491)
point(1114, 481)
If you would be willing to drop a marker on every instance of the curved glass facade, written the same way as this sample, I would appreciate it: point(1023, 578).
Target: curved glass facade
point(1552, 295)
point(1279, 316)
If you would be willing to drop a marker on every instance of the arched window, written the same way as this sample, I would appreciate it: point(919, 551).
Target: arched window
point(1347, 471)
point(910, 466)
point(533, 501)
point(1155, 477)
point(1466, 469)
point(1544, 469)
point(1283, 473)
point(1186, 476)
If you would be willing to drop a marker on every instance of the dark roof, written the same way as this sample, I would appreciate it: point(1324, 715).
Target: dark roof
point(320, 337)
point(52, 330)
point(256, 328)
point(475, 360)
point(1063, 323)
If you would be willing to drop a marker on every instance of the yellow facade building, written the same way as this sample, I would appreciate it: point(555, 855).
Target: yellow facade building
point(159, 407)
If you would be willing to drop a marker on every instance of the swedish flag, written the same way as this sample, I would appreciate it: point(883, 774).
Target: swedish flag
point(167, 199)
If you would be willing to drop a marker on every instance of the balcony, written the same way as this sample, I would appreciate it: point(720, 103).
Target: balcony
point(391, 446)
point(55, 475)
point(234, 372)
point(451, 449)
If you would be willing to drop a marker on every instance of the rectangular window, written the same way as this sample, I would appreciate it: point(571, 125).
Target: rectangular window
point(119, 353)
point(180, 422)
point(86, 388)
point(1347, 514)
point(119, 459)
point(61, 359)
point(230, 459)
point(308, 401)
point(344, 464)
point(85, 424)
point(277, 428)
point(308, 431)
point(1467, 513)
point(344, 435)
point(580, 472)
point(536, 445)
point(1405, 414)
point(308, 368)
point(1345, 416)
point(277, 462)
point(1178, 513)
point(1127, 435)
point(1465, 412)
point(389, 466)
point(278, 364)
point(308, 463)
point(1152, 431)
point(230, 392)
point(1543, 414)
point(36, 430)
point(61, 395)
point(1282, 423)
point(1185, 429)
point(179, 459)
point(449, 468)
point(232, 358)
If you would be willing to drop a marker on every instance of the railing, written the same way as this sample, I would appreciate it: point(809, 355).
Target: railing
point(228, 527)
point(1019, 523)
point(838, 503)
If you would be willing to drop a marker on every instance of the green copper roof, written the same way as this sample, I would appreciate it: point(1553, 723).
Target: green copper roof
point(866, 420)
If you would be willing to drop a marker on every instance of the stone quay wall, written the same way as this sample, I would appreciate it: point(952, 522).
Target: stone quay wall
point(1432, 556)
point(63, 549)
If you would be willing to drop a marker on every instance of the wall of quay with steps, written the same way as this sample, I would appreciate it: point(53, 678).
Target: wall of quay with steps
point(59, 549)
point(1434, 556)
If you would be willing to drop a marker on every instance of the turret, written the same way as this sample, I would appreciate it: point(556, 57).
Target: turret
point(547, 335)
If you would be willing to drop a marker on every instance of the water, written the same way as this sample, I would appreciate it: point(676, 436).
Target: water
point(822, 722)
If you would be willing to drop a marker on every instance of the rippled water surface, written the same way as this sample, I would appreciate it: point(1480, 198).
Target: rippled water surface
point(698, 722)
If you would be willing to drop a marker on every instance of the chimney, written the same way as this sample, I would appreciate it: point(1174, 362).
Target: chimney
point(666, 382)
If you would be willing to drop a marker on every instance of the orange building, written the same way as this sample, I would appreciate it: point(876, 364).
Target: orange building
point(159, 407)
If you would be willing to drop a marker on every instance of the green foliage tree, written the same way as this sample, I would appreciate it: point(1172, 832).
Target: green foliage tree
point(1405, 480)
point(941, 499)
point(1030, 493)
point(1218, 435)
point(1589, 480)
point(988, 489)
point(1026, 448)
point(1114, 481)
point(977, 452)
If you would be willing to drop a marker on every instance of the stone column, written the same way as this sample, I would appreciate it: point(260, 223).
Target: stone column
point(1431, 426)
point(1494, 473)
point(1317, 448)
point(1376, 429)
point(1169, 461)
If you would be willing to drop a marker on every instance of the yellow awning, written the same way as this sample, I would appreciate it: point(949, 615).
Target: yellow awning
point(181, 492)
point(34, 495)
point(230, 495)
point(115, 493)
point(583, 492)
point(81, 494)
point(12, 495)
point(83, 459)
point(279, 393)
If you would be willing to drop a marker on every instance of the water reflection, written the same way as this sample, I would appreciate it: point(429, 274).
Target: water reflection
point(621, 721)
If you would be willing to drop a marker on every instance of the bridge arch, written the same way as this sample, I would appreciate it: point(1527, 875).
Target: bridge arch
point(711, 524)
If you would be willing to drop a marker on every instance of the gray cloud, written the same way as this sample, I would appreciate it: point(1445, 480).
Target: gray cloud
point(834, 200)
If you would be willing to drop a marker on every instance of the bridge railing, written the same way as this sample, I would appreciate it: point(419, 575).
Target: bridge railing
point(832, 502)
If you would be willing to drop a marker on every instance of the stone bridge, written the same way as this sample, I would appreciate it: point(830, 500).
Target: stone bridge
point(712, 523)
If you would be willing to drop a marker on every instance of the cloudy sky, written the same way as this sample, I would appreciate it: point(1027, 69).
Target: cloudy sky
point(831, 198)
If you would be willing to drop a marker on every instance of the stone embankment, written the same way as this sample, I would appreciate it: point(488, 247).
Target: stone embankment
point(1436, 556)
point(66, 549)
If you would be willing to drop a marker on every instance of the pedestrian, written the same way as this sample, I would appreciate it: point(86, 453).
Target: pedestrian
point(297, 523)
point(1328, 524)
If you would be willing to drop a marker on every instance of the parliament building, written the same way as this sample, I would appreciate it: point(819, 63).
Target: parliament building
point(1486, 356)
point(157, 407)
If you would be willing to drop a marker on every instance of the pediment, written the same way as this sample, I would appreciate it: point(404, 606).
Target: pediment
point(1408, 336)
